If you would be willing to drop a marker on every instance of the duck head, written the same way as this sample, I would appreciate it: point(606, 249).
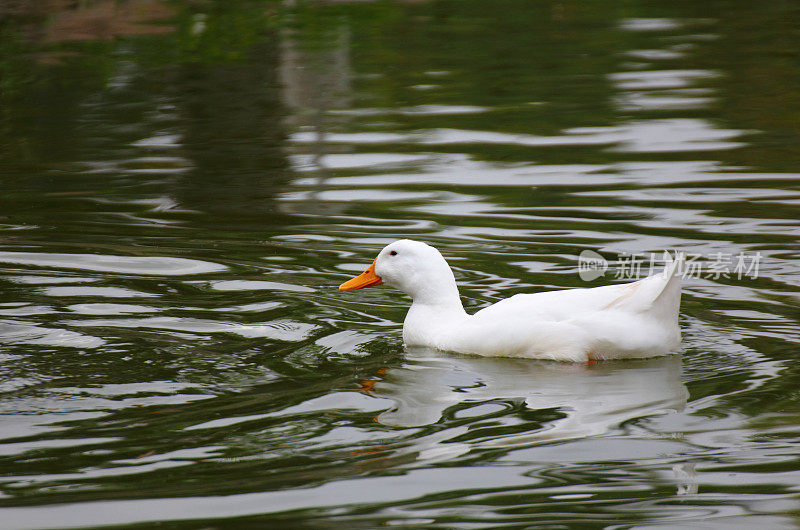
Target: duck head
point(415, 268)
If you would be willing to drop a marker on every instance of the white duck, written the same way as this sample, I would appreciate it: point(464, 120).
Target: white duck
point(632, 320)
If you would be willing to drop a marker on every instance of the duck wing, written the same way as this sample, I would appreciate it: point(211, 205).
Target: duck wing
point(658, 294)
point(637, 319)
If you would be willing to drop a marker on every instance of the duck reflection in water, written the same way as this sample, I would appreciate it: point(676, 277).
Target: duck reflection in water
point(570, 400)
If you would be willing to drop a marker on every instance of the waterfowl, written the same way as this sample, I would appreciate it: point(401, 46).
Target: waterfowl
point(632, 320)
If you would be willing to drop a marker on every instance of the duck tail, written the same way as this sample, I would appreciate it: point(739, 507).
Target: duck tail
point(668, 300)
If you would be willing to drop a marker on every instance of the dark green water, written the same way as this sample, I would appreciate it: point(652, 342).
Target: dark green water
point(184, 186)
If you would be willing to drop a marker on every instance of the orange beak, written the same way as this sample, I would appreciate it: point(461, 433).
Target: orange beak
point(368, 278)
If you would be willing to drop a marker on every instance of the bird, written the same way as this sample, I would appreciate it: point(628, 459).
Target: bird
point(619, 321)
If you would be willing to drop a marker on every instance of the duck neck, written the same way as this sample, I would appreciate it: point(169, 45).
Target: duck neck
point(440, 293)
point(431, 315)
point(440, 299)
point(435, 289)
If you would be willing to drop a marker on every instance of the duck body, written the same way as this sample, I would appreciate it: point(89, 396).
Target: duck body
point(632, 320)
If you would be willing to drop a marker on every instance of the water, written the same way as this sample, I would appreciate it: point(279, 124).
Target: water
point(185, 186)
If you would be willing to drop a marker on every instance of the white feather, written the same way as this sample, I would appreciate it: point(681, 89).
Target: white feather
point(632, 320)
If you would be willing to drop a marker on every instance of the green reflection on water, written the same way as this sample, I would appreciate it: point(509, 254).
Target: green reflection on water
point(287, 142)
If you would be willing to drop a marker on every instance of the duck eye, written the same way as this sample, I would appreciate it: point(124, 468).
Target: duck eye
point(393, 253)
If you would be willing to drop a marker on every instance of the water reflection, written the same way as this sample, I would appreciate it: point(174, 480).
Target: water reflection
point(230, 120)
point(586, 399)
point(147, 265)
point(182, 195)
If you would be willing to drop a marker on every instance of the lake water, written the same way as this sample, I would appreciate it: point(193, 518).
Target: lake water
point(184, 186)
